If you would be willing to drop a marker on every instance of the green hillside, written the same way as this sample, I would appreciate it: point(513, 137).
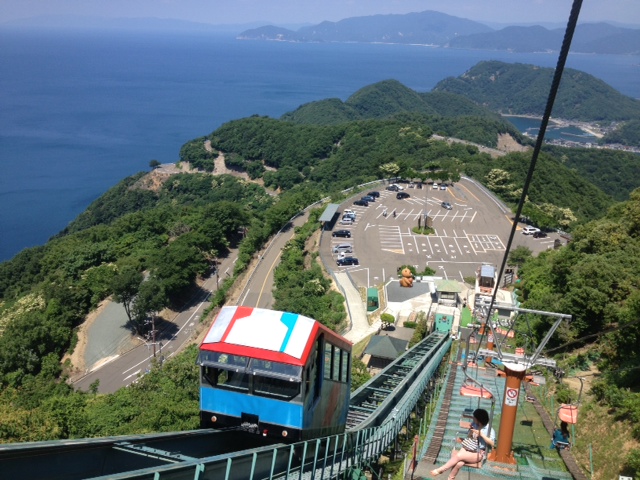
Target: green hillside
point(445, 113)
point(520, 89)
point(385, 99)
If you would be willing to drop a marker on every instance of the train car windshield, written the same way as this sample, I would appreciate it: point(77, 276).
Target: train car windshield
point(275, 387)
point(227, 379)
point(265, 386)
point(224, 360)
point(275, 369)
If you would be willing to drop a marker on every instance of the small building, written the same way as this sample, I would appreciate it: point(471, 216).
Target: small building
point(329, 214)
point(373, 299)
point(448, 292)
point(384, 349)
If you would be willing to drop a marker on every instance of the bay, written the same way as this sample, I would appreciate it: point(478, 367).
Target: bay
point(555, 131)
point(81, 111)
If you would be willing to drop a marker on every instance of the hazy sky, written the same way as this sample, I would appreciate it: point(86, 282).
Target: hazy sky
point(281, 12)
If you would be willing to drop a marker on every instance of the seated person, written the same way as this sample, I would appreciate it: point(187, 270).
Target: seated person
point(561, 436)
point(480, 431)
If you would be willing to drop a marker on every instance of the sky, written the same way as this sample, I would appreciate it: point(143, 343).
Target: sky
point(287, 12)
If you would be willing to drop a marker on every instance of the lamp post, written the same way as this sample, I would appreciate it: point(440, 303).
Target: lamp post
point(426, 194)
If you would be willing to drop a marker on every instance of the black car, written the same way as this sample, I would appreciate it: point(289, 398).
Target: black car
point(347, 261)
point(540, 235)
point(341, 233)
point(401, 195)
point(374, 194)
point(368, 198)
point(393, 188)
point(362, 203)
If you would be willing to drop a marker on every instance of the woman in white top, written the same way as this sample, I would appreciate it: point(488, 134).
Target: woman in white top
point(467, 455)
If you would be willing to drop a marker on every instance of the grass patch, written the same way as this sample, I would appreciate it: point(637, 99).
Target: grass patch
point(423, 231)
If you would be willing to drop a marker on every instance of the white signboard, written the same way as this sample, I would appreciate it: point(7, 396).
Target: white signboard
point(511, 397)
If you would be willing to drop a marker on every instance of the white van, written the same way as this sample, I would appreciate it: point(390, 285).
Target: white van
point(342, 248)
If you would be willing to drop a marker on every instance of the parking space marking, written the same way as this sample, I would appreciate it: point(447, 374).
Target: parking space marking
point(391, 239)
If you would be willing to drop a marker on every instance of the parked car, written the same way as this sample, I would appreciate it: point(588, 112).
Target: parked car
point(529, 230)
point(443, 186)
point(374, 194)
point(342, 248)
point(368, 198)
point(341, 233)
point(539, 234)
point(346, 221)
point(401, 195)
point(350, 215)
point(347, 261)
point(361, 203)
point(393, 188)
point(348, 212)
point(446, 205)
point(435, 186)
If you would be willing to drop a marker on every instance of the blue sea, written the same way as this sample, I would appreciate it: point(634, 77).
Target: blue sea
point(81, 111)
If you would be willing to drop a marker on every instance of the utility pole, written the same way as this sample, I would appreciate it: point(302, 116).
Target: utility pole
point(153, 332)
point(215, 263)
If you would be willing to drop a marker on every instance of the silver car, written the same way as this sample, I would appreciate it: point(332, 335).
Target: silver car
point(342, 248)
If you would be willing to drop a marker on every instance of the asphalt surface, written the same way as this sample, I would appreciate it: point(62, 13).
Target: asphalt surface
point(474, 231)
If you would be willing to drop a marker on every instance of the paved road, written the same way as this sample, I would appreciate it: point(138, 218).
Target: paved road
point(257, 292)
point(117, 370)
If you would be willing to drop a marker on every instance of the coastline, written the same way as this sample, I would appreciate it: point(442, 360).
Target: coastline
point(586, 127)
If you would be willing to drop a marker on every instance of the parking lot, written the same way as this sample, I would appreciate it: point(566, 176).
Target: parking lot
point(474, 231)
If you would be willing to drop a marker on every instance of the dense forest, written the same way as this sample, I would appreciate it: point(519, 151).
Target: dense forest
point(146, 245)
point(519, 89)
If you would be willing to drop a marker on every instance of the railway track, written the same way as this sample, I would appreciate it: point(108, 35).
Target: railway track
point(378, 411)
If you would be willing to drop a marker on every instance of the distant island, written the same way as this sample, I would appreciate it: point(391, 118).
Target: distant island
point(442, 30)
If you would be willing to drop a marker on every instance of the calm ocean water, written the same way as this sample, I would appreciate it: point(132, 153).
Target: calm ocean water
point(79, 112)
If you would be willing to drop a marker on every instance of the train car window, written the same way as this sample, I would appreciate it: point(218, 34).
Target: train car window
point(317, 369)
point(336, 363)
point(328, 355)
point(225, 360)
point(345, 367)
point(275, 369)
point(209, 375)
point(275, 387)
point(236, 380)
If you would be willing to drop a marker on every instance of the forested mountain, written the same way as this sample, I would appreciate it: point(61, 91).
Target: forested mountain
point(626, 134)
point(427, 27)
point(600, 38)
point(439, 29)
point(446, 114)
point(613, 171)
point(383, 100)
point(519, 89)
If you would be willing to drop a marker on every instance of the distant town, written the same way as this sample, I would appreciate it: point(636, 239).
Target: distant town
point(593, 129)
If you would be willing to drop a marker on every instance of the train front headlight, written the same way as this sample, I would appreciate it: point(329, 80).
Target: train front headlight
point(285, 433)
point(214, 419)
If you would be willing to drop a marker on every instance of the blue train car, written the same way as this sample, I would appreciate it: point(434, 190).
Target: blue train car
point(280, 375)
